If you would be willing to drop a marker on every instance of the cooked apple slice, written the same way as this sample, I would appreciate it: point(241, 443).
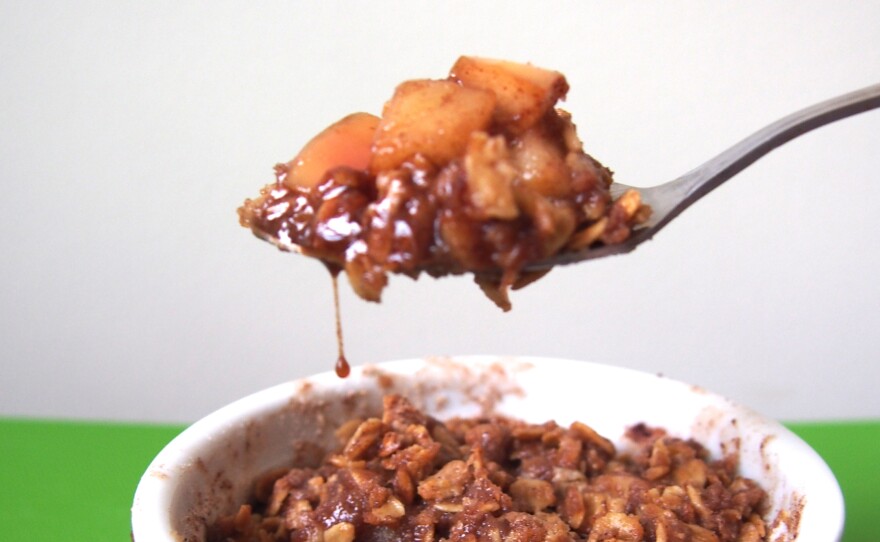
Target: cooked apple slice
point(524, 92)
point(431, 117)
point(347, 142)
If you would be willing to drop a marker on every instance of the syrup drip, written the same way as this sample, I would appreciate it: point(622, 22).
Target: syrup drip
point(342, 366)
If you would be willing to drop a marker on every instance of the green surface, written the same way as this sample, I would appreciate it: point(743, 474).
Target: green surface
point(851, 450)
point(72, 481)
point(75, 480)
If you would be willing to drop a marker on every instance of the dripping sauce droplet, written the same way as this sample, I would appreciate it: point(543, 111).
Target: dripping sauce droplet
point(342, 366)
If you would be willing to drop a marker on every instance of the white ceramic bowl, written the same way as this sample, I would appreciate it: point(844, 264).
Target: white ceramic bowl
point(208, 469)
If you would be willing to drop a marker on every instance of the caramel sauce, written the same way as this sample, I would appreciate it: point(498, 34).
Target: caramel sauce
point(342, 367)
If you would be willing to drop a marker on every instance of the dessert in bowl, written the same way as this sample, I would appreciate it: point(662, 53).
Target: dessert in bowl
point(210, 470)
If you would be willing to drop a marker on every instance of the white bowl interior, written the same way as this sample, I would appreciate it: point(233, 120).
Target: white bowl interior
point(208, 470)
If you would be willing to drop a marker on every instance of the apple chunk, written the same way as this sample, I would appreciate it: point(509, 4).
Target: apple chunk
point(434, 118)
point(347, 142)
point(525, 92)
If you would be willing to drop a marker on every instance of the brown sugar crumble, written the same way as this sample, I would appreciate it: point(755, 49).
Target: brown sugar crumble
point(406, 476)
point(475, 173)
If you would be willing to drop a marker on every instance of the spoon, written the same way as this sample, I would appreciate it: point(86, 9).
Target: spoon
point(668, 200)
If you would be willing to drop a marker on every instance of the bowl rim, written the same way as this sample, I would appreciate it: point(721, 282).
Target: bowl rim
point(151, 520)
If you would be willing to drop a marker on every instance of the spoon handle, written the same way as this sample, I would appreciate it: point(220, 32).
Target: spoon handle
point(698, 182)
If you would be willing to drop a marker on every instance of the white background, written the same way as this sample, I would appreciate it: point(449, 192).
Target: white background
point(131, 131)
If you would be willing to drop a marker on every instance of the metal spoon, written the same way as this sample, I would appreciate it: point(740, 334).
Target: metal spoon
point(668, 200)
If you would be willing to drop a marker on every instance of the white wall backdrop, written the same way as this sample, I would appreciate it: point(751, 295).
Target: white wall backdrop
point(131, 131)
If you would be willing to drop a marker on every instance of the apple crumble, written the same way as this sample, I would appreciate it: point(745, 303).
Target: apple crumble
point(475, 173)
point(406, 476)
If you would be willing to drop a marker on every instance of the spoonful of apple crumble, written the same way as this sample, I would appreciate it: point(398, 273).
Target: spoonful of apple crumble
point(480, 173)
